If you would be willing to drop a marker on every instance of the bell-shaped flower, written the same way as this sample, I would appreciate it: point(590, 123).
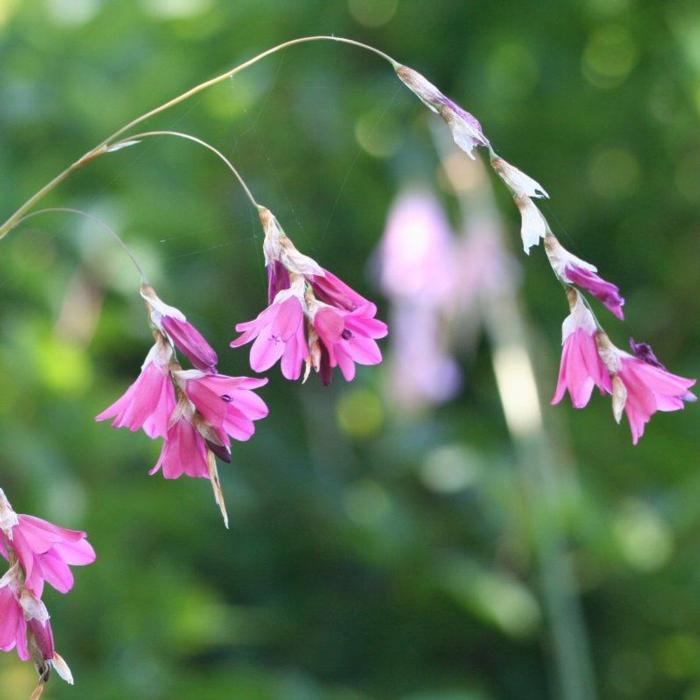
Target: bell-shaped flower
point(184, 451)
point(190, 446)
point(643, 387)
point(278, 332)
point(572, 270)
point(465, 128)
point(149, 402)
point(184, 336)
point(46, 553)
point(228, 405)
point(282, 257)
point(13, 626)
point(581, 367)
point(285, 329)
point(348, 337)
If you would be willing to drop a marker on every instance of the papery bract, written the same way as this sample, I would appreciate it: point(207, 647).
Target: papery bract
point(465, 128)
point(533, 224)
point(518, 182)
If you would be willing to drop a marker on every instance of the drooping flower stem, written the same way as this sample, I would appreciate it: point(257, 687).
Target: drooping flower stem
point(106, 145)
point(206, 145)
point(94, 219)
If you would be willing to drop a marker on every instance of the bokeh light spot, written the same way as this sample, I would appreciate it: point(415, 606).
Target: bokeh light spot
point(512, 70)
point(360, 413)
point(450, 468)
point(63, 366)
point(72, 12)
point(645, 540)
point(373, 13)
point(614, 172)
point(609, 56)
point(378, 134)
point(176, 9)
point(366, 502)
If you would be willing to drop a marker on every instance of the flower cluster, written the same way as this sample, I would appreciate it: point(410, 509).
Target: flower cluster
point(38, 552)
point(639, 384)
point(313, 319)
point(196, 411)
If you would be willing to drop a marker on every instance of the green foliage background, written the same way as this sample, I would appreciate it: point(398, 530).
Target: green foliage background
point(345, 575)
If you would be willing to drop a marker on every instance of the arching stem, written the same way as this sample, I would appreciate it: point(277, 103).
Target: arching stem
point(206, 145)
point(104, 146)
point(94, 219)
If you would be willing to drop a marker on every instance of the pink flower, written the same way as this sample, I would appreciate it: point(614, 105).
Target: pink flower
point(333, 291)
point(24, 619)
point(185, 337)
point(605, 292)
point(581, 368)
point(286, 330)
point(191, 443)
point(348, 337)
point(649, 387)
point(13, 626)
point(149, 402)
point(46, 552)
point(228, 405)
point(184, 451)
point(573, 270)
point(279, 333)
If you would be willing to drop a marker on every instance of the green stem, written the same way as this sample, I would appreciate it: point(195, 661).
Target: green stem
point(104, 146)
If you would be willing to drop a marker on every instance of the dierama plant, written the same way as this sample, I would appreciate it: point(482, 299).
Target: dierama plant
point(313, 322)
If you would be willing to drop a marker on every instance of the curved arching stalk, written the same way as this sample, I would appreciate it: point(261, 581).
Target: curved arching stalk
point(106, 145)
point(201, 142)
point(94, 219)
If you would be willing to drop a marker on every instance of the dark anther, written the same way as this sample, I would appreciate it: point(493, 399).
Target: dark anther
point(226, 398)
point(346, 334)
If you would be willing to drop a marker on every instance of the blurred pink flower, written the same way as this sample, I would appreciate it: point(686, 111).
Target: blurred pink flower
point(581, 368)
point(149, 402)
point(421, 370)
point(416, 253)
point(421, 270)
